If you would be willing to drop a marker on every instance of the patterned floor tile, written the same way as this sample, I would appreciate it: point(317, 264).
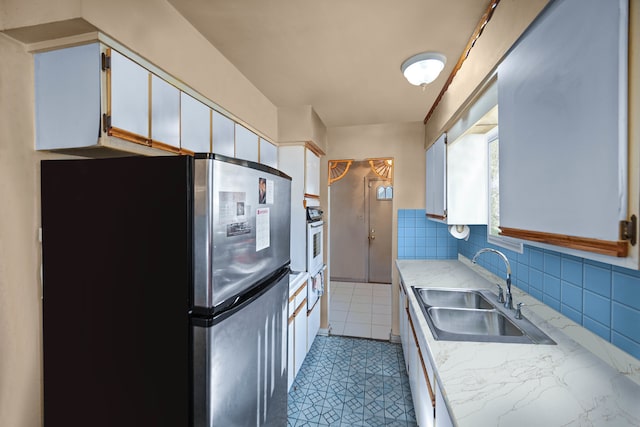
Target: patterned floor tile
point(351, 382)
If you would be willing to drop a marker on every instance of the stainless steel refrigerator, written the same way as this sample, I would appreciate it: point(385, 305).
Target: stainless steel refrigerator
point(165, 292)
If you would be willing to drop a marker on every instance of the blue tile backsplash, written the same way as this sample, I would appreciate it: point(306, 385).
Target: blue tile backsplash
point(603, 298)
point(419, 238)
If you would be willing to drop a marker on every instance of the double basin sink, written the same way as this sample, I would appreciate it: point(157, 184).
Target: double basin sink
point(474, 315)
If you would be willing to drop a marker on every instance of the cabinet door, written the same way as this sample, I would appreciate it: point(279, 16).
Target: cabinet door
point(436, 179)
point(165, 112)
point(246, 144)
point(268, 154)
point(67, 97)
point(467, 180)
point(223, 134)
point(313, 325)
point(195, 128)
point(425, 412)
point(300, 337)
point(563, 128)
point(423, 398)
point(129, 95)
point(312, 173)
point(402, 310)
point(443, 418)
point(291, 368)
point(291, 162)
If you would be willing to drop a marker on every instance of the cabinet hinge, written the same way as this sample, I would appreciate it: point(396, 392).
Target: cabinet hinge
point(628, 230)
point(106, 123)
point(106, 62)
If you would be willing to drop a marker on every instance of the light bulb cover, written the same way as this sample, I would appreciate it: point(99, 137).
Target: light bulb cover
point(423, 68)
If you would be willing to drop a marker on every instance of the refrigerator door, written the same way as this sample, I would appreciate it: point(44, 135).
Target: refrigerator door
point(117, 272)
point(240, 361)
point(241, 228)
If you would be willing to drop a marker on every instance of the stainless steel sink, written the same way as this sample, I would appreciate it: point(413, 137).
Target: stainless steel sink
point(474, 315)
point(456, 298)
point(472, 322)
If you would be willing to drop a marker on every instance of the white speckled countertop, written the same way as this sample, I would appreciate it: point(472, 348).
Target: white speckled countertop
point(581, 381)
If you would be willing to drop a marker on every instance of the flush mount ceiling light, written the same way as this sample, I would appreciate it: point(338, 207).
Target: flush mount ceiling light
point(423, 68)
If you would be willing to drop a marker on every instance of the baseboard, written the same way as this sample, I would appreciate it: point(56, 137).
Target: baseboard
point(395, 339)
point(324, 331)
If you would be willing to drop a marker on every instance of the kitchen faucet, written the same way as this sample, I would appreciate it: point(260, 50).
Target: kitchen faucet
point(508, 302)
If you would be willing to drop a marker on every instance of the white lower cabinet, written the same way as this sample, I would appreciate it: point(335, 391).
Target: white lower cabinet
point(300, 337)
point(419, 369)
point(443, 419)
point(291, 372)
point(313, 324)
point(297, 332)
point(421, 383)
point(404, 323)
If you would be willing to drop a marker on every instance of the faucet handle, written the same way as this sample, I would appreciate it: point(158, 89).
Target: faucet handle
point(519, 310)
point(500, 294)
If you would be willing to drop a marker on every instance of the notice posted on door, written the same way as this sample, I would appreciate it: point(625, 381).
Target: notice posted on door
point(263, 237)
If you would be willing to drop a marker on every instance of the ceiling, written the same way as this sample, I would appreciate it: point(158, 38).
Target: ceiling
point(342, 57)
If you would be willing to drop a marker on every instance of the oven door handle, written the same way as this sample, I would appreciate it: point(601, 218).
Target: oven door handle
point(315, 225)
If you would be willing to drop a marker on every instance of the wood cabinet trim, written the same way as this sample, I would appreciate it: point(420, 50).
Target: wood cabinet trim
point(300, 289)
point(434, 216)
point(314, 148)
point(128, 136)
point(165, 147)
point(302, 305)
point(477, 32)
point(618, 248)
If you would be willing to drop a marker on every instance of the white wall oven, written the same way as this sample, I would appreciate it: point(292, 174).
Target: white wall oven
point(315, 255)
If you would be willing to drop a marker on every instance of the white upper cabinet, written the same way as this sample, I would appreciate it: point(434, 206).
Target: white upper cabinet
point(129, 96)
point(246, 144)
point(165, 112)
point(195, 131)
point(80, 102)
point(436, 179)
point(92, 96)
point(312, 173)
point(563, 128)
point(67, 97)
point(457, 165)
point(292, 160)
point(223, 135)
point(467, 180)
point(268, 154)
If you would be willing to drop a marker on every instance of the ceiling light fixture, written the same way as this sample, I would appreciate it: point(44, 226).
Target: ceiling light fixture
point(423, 68)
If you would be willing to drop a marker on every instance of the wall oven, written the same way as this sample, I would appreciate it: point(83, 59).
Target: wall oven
point(315, 254)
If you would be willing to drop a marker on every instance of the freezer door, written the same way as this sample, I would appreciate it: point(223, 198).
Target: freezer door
point(241, 228)
point(240, 363)
point(117, 273)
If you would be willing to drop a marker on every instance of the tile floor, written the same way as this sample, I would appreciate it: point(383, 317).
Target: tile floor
point(360, 310)
point(351, 382)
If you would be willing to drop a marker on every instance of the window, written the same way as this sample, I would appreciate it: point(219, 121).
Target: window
point(384, 193)
point(493, 230)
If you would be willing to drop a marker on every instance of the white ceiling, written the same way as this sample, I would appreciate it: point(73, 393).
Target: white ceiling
point(342, 57)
